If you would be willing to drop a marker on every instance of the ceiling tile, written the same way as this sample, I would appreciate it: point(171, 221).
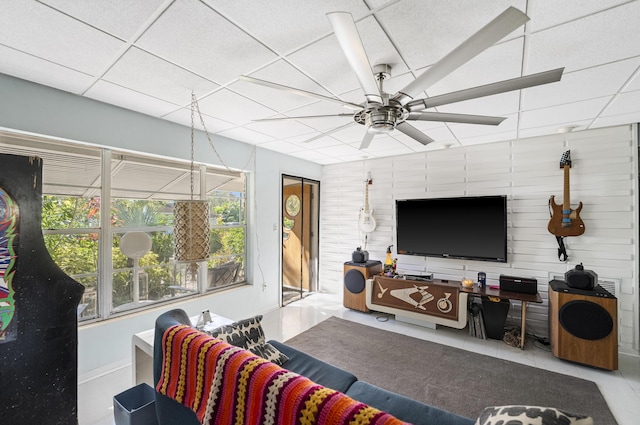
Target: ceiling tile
point(425, 33)
point(351, 134)
point(591, 41)
point(313, 156)
point(114, 94)
point(634, 84)
point(339, 150)
point(298, 23)
point(195, 37)
point(324, 61)
point(148, 74)
point(232, 107)
point(284, 147)
point(214, 125)
point(205, 45)
point(386, 150)
point(245, 135)
point(320, 143)
point(280, 129)
point(121, 18)
point(40, 71)
point(552, 129)
point(577, 111)
point(381, 143)
point(624, 103)
point(380, 50)
point(547, 13)
point(322, 108)
point(489, 138)
point(581, 85)
point(498, 104)
point(438, 134)
point(497, 63)
point(281, 73)
point(471, 130)
point(631, 118)
point(36, 29)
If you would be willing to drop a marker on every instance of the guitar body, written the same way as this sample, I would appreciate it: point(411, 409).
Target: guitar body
point(366, 222)
point(559, 225)
point(565, 221)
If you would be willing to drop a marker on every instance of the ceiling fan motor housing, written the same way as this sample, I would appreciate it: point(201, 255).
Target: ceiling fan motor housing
point(380, 118)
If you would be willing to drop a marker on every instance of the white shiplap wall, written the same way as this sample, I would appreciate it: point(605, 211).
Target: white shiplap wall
point(604, 177)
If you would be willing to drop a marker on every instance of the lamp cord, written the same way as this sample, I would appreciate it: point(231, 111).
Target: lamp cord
point(194, 100)
point(193, 103)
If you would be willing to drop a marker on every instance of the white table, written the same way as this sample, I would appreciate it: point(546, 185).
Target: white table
point(142, 349)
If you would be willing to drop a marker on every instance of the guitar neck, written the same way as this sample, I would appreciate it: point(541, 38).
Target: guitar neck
point(566, 202)
point(366, 197)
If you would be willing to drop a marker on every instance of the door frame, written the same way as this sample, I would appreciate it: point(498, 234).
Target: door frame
point(314, 245)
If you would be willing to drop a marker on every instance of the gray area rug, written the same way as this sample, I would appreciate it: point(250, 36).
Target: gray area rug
point(450, 378)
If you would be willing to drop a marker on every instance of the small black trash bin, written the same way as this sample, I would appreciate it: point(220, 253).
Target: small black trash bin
point(136, 406)
point(495, 316)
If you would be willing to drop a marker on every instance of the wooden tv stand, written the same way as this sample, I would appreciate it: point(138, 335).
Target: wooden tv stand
point(422, 302)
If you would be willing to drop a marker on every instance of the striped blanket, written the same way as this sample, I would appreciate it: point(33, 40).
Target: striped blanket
point(227, 385)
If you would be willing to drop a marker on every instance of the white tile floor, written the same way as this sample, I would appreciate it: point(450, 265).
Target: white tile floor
point(620, 388)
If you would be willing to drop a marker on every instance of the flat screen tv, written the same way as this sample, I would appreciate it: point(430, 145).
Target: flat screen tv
point(470, 227)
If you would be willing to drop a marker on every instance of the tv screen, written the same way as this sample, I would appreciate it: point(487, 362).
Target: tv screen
point(473, 228)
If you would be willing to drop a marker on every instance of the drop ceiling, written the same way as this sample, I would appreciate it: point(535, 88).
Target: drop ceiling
point(149, 55)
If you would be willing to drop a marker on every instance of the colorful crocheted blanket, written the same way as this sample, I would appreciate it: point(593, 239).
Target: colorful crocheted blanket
point(224, 384)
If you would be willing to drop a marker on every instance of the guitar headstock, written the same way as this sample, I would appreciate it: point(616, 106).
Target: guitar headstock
point(565, 161)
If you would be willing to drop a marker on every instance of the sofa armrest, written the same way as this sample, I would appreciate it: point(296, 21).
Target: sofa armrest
point(316, 370)
point(169, 411)
point(402, 407)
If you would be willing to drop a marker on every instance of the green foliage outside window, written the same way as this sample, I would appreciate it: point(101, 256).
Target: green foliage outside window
point(74, 246)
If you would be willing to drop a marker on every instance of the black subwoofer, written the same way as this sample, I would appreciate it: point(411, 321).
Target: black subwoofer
point(583, 325)
point(586, 320)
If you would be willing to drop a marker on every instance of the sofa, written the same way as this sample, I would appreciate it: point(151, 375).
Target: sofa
point(170, 412)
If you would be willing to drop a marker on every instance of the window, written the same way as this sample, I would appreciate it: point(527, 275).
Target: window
point(95, 199)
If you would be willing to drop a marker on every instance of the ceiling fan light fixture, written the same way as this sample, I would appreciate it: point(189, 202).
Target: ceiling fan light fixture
point(381, 121)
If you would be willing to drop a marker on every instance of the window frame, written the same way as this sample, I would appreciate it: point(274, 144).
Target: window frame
point(102, 188)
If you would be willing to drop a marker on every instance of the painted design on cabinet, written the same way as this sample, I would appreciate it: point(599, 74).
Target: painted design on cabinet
point(8, 220)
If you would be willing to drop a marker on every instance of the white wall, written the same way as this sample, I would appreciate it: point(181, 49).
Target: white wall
point(604, 177)
point(104, 352)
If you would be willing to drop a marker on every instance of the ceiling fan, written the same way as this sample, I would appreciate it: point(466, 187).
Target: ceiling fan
point(383, 113)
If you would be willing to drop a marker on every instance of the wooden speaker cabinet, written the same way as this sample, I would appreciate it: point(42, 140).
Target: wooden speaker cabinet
point(355, 276)
point(583, 325)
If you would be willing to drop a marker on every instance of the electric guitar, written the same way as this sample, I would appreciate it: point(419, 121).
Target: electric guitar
point(366, 222)
point(565, 221)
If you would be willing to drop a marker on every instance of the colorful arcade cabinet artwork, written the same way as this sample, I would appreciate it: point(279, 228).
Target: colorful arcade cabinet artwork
point(38, 308)
point(8, 218)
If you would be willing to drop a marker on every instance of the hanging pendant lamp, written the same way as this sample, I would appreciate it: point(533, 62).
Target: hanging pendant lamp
point(191, 221)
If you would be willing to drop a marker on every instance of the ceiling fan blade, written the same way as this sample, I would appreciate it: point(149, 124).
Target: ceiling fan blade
point(414, 133)
point(487, 36)
point(366, 140)
point(304, 117)
point(326, 133)
point(487, 90)
point(347, 34)
point(448, 117)
point(300, 92)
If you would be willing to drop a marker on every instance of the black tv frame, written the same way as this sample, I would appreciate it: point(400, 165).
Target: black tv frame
point(460, 226)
